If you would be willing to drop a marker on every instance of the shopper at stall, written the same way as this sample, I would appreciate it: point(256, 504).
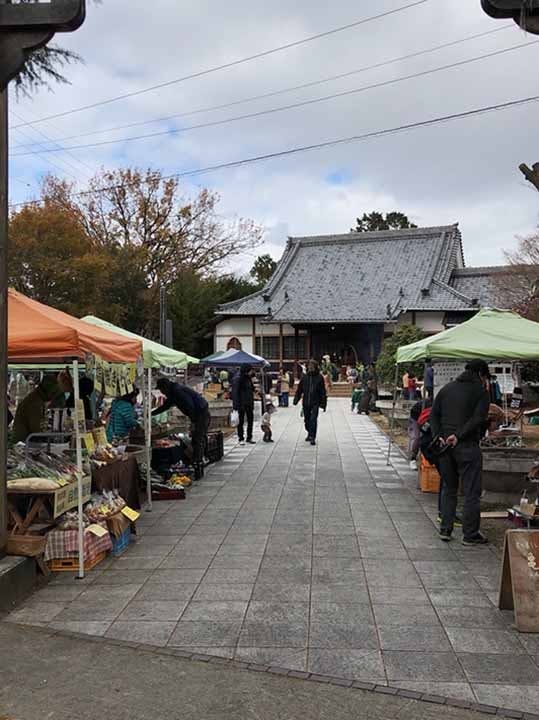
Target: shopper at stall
point(122, 418)
point(195, 407)
point(31, 411)
point(243, 401)
point(459, 418)
point(312, 390)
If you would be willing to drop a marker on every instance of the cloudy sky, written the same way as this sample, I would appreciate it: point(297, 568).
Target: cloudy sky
point(463, 171)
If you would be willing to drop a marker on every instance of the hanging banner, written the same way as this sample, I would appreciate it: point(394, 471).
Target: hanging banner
point(110, 387)
point(81, 419)
point(122, 380)
point(98, 380)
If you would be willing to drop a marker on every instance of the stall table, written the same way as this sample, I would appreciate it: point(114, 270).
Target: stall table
point(51, 503)
point(122, 475)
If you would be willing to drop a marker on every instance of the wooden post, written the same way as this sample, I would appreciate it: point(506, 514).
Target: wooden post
point(3, 312)
point(281, 343)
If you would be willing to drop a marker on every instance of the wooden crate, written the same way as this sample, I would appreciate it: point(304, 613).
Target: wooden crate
point(71, 564)
point(429, 479)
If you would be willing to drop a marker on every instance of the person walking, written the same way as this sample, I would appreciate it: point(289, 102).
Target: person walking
point(428, 380)
point(458, 419)
point(195, 407)
point(265, 425)
point(285, 388)
point(243, 401)
point(313, 391)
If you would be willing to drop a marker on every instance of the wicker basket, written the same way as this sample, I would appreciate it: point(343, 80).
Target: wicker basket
point(429, 479)
point(26, 545)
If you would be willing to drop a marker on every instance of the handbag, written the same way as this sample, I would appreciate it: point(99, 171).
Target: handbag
point(234, 418)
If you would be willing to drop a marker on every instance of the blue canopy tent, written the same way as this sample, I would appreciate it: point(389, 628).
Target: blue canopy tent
point(239, 358)
point(236, 358)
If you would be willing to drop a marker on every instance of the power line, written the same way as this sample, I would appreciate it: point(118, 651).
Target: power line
point(319, 146)
point(274, 93)
point(233, 63)
point(303, 103)
point(48, 159)
point(58, 148)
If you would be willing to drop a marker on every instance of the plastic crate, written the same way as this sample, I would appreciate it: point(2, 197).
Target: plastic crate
point(429, 478)
point(71, 564)
point(168, 494)
point(215, 448)
point(121, 543)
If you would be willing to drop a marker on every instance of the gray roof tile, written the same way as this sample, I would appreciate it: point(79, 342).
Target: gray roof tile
point(363, 277)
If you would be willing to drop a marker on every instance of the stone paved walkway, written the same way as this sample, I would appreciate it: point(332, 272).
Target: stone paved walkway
point(321, 559)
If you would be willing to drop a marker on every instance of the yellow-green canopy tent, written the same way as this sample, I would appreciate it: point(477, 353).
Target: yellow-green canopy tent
point(155, 355)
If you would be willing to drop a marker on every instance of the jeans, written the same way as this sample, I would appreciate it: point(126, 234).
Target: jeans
point(310, 416)
point(249, 414)
point(462, 462)
point(284, 399)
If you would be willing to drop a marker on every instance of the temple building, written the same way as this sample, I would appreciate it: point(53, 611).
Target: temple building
point(342, 295)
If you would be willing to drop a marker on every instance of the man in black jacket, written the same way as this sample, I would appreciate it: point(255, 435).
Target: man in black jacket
point(194, 406)
point(313, 391)
point(459, 418)
point(243, 401)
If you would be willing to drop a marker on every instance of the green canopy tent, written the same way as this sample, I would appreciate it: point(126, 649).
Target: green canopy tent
point(489, 335)
point(155, 356)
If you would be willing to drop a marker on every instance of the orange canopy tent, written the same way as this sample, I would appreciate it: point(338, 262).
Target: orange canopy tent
point(39, 332)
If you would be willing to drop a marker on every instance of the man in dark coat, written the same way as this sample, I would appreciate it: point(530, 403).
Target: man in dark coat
point(243, 401)
point(195, 407)
point(313, 391)
point(459, 418)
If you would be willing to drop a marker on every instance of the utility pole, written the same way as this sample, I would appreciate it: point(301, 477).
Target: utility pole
point(531, 174)
point(24, 27)
point(163, 315)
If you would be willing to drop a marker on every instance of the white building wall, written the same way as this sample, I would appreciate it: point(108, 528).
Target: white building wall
point(429, 322)
point(240, 328)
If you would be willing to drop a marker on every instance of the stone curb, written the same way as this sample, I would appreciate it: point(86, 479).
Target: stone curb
point(297, 675)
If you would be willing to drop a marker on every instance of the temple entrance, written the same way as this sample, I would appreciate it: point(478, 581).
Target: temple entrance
point(347, 344)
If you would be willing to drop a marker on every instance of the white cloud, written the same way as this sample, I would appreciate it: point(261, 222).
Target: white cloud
point(464, 171)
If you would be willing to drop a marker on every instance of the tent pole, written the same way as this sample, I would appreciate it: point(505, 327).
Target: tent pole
point(392, 421)
point(148, 424)
point(78, 446)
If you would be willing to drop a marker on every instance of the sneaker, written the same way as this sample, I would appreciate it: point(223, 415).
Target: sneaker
point(413, 465)
point(445, 535)
point(242, 442)
point(251, 442)
point(478, 539)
